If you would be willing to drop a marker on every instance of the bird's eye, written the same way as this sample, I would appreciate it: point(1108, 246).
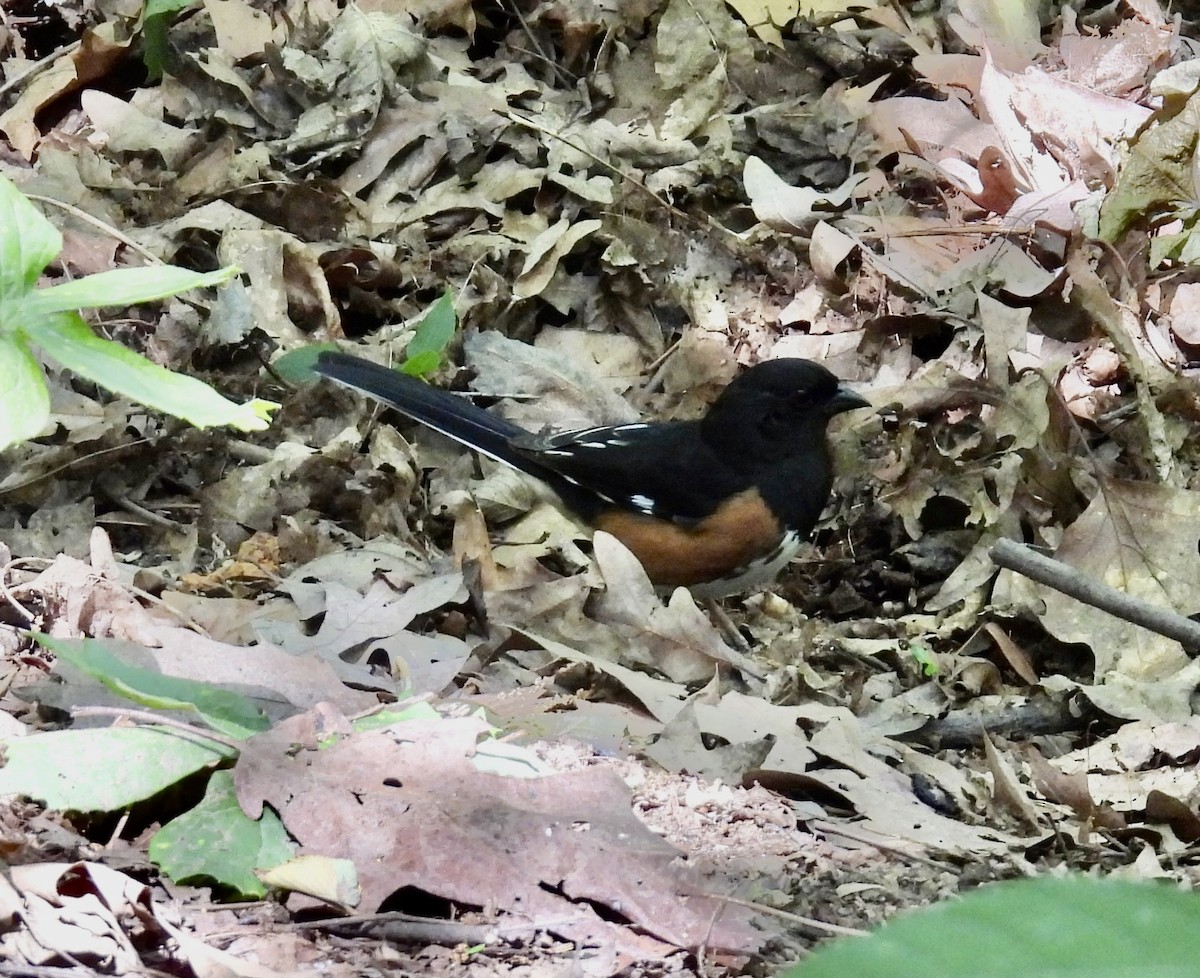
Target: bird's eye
point(784, 410)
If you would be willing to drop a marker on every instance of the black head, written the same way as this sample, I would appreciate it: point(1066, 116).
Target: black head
point(778, 407)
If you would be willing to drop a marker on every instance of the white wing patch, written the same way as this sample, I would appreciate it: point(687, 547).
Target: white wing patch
point(643, 504)
point(614, 434)
point(593, 437)
point(576, 444)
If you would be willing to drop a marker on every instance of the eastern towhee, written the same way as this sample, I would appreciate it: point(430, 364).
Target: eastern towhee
point(717, 505)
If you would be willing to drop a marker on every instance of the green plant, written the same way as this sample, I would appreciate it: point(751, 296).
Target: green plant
point(1034, 928)
point(156, 16)
point(48, 320)
point(425, 353)
point(425, 350)
point(73, 770)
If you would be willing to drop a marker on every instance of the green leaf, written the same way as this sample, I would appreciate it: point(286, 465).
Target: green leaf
point(28, 243)
point(296, 366)
point(154, 47)
point(49, 318)
point(925, 657)
point(1157, 180)
point(222, 709)
point(123, 287)
point(216, 842)
point(1041, 928)
point(67, 338)
point(425, 362)
point(105, 770)
point(434, 333)
point(385, 718)
point(155, 18)
point(23, 393)
point(157, 8)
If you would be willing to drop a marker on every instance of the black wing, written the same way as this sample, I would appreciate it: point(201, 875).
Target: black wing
point(664, 469)
point(660, 469)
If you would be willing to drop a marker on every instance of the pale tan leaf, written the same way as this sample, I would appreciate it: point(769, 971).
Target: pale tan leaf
point(546, 251)
point(783, 207)
point(1140, 538)
point(1006, 789)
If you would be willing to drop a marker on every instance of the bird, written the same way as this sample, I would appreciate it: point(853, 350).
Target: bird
point(717, 505)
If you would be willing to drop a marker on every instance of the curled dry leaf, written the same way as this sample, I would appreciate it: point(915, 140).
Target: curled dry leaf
point(783, 207)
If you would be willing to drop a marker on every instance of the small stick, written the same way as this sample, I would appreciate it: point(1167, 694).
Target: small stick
point(1057, 575)
point(1018, 721)
point(154, 719)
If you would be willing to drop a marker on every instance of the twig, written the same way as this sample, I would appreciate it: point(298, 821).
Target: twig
point(407, 927)
point(112, 232)
point(729, 631)
point(5, 490)
point(248, 451)
point(976, 230)
point(159, 721)
point(1057, 575)
point(710, 223)
point(127, 504)
point(38, 65)
point(809, 922)
point(873, 839)
point(1016, 721)
point(403, 704)
point(116, 833)
point(7, 593)
point(559, 71)
point(43, 971)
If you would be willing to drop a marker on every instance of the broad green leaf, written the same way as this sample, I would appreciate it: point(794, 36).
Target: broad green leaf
point(155, 19)
point(154, 47)
point(1040, 928)
point(217, 842)
point(24, 399)
point(156, 8)
point(1183, 246)
point(104, 770)
point(425, 362)
point(925, 657)
point(48, 318)
point(67, 338)
point(123, 287)
point(434, 331)
point(224, 710)
point(28, 243)
point(296, 366)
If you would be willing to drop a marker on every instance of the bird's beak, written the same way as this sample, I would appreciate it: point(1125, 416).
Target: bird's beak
point(845, 400)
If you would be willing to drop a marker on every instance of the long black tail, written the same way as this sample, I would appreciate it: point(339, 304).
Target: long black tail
point(453, 416)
